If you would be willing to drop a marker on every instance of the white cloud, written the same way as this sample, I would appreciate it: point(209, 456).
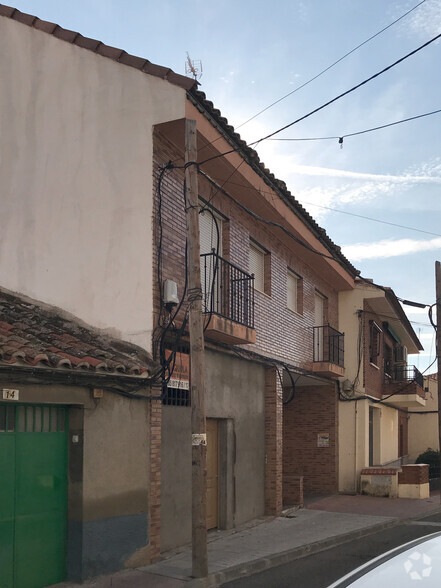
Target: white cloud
point(425, 20)
point(389, 248)
point(312, 170)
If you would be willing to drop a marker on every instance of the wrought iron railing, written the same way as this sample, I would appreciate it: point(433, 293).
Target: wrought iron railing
point(227, 290)
point(404, 373)
point(328, 345)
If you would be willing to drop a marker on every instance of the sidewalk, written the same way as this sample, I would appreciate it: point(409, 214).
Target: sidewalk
point(268, 542)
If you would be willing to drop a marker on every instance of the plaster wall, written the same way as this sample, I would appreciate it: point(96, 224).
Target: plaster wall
point(235, 396)
point(108, 476)
point(76, 177)
point(423, 428)
point(389, 435)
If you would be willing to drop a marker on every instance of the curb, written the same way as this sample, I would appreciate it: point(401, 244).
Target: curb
point(265, 563)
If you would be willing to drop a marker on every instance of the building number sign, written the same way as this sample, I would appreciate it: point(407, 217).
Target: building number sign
point(10, 394)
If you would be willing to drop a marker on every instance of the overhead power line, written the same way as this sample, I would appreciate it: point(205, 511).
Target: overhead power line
point(398, 122)
point(375, 220)
point(376, 75)
point(362, 216)
point(330, 66)
point(350, 90)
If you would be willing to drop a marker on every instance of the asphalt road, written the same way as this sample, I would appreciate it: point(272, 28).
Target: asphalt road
point(321, 569)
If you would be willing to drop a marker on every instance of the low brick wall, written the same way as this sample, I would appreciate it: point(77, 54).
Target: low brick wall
point(413, 481)
point(379, 482)
point(414, 474)
point(409, 481)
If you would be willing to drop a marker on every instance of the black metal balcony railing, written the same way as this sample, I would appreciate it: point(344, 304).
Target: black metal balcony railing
point(227, 290)
point(328, 345)
point(404, 373)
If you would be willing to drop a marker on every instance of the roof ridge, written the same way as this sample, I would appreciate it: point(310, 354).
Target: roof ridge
point(98, 47)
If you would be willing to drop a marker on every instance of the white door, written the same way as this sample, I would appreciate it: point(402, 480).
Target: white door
point(319, 321)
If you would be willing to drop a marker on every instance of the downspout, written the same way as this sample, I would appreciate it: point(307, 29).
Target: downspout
point(355, 446)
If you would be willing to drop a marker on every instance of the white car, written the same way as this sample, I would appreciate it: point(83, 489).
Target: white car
point(417, 563)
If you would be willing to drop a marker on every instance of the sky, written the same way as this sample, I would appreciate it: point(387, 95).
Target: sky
point(253, 53)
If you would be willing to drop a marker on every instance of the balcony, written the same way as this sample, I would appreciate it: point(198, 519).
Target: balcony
point(328, 352)
point(228, 300)
point(404, 386)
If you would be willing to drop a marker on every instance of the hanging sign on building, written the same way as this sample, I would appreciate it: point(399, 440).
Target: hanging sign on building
point(180, 377)
point(322, 439)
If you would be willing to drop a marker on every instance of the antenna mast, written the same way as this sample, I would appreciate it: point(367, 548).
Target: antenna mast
point(193, 68)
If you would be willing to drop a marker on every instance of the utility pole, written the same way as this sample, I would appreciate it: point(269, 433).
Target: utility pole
point(438, 346)
point(197, 361)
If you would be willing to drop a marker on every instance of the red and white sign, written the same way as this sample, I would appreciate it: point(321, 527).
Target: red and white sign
point(180, 377)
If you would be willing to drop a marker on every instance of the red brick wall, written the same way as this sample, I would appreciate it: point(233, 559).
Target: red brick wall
point(273, 442)
point(414, 474)
point(279, 331)
point(314, 410)
point(155, 477)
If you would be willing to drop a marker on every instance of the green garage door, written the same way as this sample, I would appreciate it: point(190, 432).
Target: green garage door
point(33, 495)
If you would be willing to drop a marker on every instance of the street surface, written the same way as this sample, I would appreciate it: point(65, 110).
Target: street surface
point(321, 569)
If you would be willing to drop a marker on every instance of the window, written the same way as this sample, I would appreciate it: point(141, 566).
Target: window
point(259, 265)
point(387, 360)
point(210, 230)
point(294, 292)
point(374, 342)
point(210, 224)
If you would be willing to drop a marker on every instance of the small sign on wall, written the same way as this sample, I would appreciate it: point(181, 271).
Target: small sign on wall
point(10, 394)
point(322, 439)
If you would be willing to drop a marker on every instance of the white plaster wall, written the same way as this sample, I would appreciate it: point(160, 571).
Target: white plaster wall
point(423, 428)
point(349, 303)
point(389, 434)
point(76, 178)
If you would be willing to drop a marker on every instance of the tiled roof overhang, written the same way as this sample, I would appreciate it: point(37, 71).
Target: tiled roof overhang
point(33, 334)
point(251, 156)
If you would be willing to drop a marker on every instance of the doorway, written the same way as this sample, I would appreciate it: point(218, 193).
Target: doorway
point(33, 495)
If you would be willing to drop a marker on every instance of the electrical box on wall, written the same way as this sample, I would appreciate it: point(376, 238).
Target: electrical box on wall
point(170, 292)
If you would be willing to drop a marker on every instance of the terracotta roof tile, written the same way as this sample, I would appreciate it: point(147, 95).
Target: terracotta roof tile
point(98, 47)
point(45, 26)
point(35, 334)
point(86, 43)
point(65, 34)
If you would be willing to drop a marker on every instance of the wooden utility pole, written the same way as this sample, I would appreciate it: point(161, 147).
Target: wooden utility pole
point(197, 361)
point(438, 346)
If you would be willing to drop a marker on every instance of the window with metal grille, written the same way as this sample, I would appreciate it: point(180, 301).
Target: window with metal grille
point(32, 419)
point(176, 397)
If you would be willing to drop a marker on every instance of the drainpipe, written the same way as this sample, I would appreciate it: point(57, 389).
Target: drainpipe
point(355, 446)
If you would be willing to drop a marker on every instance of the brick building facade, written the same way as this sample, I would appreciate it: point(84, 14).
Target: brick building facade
point(295, 439)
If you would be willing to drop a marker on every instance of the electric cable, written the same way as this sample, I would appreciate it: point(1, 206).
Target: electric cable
point(370, 130)
point(321, 72)
point(319, 108)
point(266, 221)
point(330, 66)
point(376, 220)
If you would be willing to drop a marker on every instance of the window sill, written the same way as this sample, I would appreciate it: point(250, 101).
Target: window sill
point(261, 292)
point(377, 367)
point(295, 312)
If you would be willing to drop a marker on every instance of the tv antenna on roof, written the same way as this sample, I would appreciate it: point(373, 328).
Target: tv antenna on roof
point(193, 68)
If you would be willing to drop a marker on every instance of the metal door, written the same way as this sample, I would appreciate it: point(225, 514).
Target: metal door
point(33, 495)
